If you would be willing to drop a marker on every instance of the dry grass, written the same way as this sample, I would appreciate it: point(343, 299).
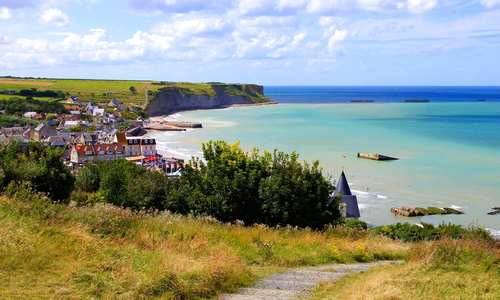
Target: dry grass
point(49, 251)
point(435, 270)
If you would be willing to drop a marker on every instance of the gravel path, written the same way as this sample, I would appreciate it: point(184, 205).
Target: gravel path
point(297, 282)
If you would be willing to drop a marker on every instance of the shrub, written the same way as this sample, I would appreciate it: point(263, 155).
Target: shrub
point(124, 184)
point(356, 224)
point(427, 232)
point(39, 165)
point(269, 188)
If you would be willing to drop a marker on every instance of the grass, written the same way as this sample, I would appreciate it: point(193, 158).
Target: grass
point(459, 269)
point(95, 90)
point(103, 91)
point(56, 251)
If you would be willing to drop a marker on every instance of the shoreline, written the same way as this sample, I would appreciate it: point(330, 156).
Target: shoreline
point(162, 117)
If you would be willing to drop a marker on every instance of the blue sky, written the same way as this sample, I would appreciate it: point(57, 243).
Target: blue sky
point(309, 42)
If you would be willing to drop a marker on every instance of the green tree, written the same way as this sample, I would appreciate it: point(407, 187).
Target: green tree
point(133, 90)
point(272, 188)
point(39, 165)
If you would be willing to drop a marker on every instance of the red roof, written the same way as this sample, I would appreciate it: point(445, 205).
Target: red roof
point(95, 149)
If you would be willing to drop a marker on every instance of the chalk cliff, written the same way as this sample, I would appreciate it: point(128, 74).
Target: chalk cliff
point(173, 99)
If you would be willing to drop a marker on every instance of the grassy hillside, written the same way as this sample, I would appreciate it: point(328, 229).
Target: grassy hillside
point(435, 270)
point(105, 90)
point(49, 251)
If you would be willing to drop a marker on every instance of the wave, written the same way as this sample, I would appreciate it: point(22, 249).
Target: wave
point(363, 194)
point(494, 232)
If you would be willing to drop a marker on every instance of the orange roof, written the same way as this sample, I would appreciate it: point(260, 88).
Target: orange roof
point(95, 149)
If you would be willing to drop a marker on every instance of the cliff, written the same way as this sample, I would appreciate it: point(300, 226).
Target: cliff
point(181, 97)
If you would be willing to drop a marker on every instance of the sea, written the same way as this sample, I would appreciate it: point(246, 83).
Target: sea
point(447, 139)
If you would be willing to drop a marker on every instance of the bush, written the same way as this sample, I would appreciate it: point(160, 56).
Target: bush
point(39, 165)
point(124, 184)
point(272, 188)
point(356, 224)
point(427, 232)
point(19, 106)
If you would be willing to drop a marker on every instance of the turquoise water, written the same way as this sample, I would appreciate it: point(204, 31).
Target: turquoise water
point(450, 152)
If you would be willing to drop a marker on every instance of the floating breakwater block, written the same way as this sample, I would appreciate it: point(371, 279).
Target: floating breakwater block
point(496, 211)
point(420, 211)
point(376, 156)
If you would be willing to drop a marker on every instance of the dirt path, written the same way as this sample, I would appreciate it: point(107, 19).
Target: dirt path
point(297, 282)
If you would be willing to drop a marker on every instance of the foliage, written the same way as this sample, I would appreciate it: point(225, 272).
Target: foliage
point(133, 90)
point(36, 93)
point(20, 106)
point(39, 165)
point(125, 184)
point(356, 224)
point(427, 232)
point(12, 120)
point(272, 188)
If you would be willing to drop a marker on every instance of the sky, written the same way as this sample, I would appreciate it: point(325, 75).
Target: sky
point(281, 42)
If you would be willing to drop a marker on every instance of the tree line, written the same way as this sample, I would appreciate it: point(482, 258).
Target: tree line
point(273, 188)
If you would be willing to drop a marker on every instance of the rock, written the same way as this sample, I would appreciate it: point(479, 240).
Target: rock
point(420, 211)
point(436, 211)
point(452, 211)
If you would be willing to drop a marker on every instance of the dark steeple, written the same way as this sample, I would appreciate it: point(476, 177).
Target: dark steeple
point(342, 188)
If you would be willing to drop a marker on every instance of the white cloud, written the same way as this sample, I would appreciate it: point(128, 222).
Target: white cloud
point(329, 6)
point(336, 38)
point(490, 3)
point(181, 6)
point(419, 6)
point(5, 13)
point(189, 25)
point(54, 16)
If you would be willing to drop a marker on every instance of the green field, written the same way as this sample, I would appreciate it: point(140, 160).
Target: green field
point(87, 90)
point(102, 91)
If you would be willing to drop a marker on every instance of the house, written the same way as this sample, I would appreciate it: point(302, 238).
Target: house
point(73, 100)
point(30, 114)
point(117, 104)
point(42, 131)
point(87, 138)
point(348, 201)
point(132, 147)
point(136, 146)
point(71, 107)
point(69, 124)
point(98, 112)
point(75, 112)
point(89, 109)
point(69, 117)
point(56, 141)
point(83, 153)
point(148, 147)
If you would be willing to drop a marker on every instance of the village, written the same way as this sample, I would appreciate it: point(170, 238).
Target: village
point(89, 132)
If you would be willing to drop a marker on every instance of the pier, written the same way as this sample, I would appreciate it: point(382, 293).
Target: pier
point(171, 126)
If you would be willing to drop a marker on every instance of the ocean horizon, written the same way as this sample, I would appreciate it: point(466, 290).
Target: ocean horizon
point(448, 148)
point(383, 94)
